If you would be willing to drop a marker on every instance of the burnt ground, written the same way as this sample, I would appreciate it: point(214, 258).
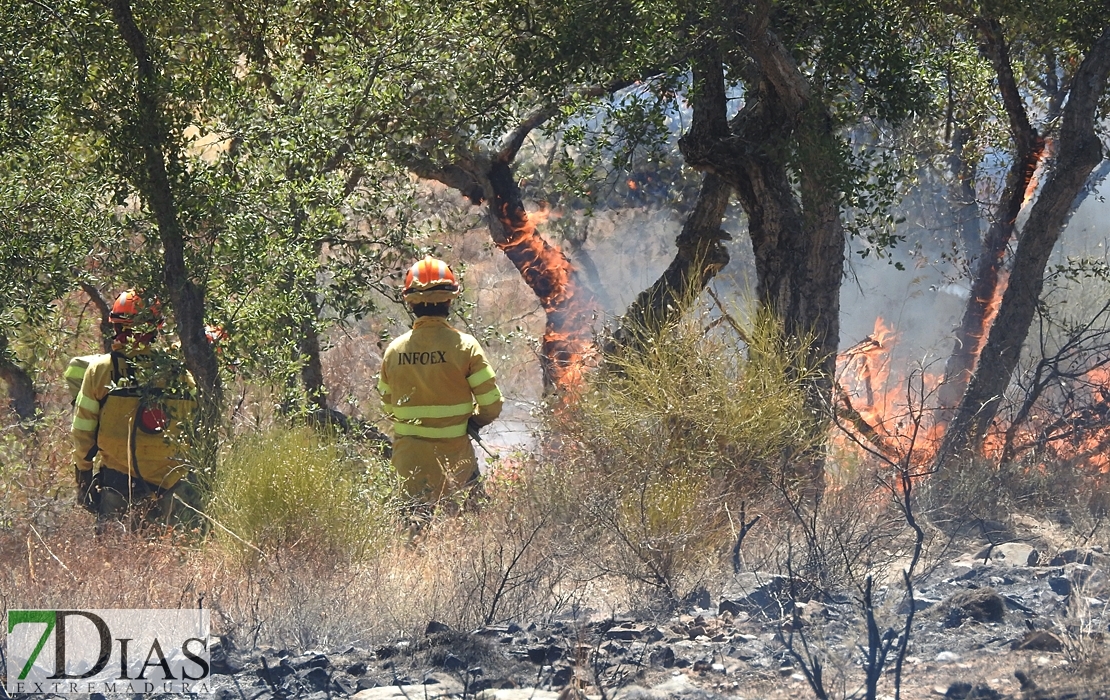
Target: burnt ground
point(1010, 620)
point(983, 614)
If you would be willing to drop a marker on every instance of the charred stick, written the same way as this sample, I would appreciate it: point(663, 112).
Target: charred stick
point(745, 526)
point(847, 411)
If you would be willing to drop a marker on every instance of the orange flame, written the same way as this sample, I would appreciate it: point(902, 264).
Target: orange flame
point(1034, 177)
point(993, 305)
point(1030, 189)
point(901, 425)
point(567, 348)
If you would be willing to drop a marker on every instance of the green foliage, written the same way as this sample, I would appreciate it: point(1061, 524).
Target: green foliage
point(51, 216)
point(861, 56)
point(293, 488)
point(22, 101)
point(701, 402)
point(672, 438)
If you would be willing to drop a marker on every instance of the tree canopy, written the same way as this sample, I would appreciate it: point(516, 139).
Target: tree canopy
point(252, 164)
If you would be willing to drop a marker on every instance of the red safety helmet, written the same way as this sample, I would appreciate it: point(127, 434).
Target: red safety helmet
point(130, 308)
point(430, 281)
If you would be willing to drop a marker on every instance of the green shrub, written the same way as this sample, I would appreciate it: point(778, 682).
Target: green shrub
point(667, 440)
point(700, 402)
point(293, 488)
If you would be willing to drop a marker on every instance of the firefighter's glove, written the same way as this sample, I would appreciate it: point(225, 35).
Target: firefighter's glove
point(87, 492)
point(472, 428)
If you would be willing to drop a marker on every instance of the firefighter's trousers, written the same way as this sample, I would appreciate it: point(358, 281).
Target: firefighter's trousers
point(134, 504)
point(434, 469)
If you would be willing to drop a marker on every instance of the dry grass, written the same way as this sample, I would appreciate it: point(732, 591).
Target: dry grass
point(631, 501)
point(977, 493)
point(669, 443)
point(294, 585)
point(291, 488)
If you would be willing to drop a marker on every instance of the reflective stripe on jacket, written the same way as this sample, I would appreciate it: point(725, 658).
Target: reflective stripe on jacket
point(135, 431)
point(434, 378)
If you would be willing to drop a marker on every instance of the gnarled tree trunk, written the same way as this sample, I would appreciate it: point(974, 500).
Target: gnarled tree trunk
point(986, 282)
point(700, 252)
point(796, 232)
point(797, 236)
point(1079, 151)
point(569, 308)
point(153, 181)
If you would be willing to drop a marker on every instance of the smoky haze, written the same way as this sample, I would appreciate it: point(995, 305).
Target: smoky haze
point(923, 302)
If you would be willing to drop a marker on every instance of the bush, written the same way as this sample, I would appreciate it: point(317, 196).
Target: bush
point(293, 488)
point(667, 438)
point(700, 401)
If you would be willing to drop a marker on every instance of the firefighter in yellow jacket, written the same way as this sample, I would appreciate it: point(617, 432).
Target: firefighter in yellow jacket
point(434, 382)
point(129, 419)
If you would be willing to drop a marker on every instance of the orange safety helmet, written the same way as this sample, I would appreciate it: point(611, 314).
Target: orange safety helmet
point(130, 308)
point(430, 281)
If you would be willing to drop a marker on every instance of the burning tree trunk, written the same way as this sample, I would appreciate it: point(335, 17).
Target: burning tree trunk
point(567, 303)
point(568, 336)
point(985, 285)
point(1079, 151)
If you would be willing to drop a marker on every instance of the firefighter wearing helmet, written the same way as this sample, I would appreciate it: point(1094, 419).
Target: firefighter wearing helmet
point(129, 419)
point(435, 382)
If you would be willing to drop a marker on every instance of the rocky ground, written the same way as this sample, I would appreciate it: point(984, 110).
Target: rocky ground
point(1001, 621)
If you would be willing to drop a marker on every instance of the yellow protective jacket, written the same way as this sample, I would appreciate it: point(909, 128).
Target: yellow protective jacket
point(433, 380)
point(133, 429)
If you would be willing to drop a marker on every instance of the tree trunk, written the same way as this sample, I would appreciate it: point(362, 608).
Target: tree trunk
point(21, 389)
point(568, 304)
point(798, 241)
point(107, 333)
point(312, 368)
point(1079, 151)
point(797, 236)
point(986, 283)
point(700, 252)
point(817, 276)
point(153, 181)
point(569, 308)
point(965, 207)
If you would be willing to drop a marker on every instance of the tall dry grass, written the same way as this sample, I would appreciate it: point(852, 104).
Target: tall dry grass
point(306, 547)
point(677, 438)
